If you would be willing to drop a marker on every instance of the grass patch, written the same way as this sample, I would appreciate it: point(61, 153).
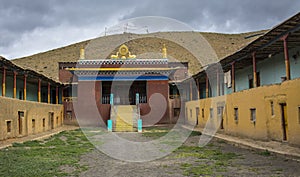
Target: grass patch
point(44, 158)
point(207, 160)
point(265, 153)
point(195, 133)
point(155, 132)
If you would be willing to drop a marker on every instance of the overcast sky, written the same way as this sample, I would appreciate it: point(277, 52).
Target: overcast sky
point(31, 26)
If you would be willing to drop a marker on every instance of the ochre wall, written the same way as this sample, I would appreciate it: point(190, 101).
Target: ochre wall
point(152, 112)
point(9, 109)
point(267, 126)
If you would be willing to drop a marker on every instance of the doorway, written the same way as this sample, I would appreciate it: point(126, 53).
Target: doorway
point(51, 119)
point(220, 116)
point(20, 121)
point(284, 122)
point(124, 92)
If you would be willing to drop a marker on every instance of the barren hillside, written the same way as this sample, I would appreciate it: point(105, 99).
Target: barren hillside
point(181, 46)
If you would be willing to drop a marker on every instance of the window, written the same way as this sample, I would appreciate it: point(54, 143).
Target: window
point(211, 112)
point(202, 113)
point(44, 122)
point(21, 94)
point(220, 110)
point(272, 108)
point(197, 115)
point(8, 126)
point(33, 123)
point(250, 79)
point(186, 113)
point(253, 115)
point(176, 112)
point(191, 113)
point(197, 112)
point(236, 115)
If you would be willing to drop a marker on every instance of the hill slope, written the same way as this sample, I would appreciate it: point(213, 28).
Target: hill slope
point(182, 46)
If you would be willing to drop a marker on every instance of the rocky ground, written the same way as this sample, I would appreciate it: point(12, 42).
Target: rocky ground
point(218, 158)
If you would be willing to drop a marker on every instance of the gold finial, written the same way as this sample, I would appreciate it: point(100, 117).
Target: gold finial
point(82, 55)
point(164, 51)
point(123, 53)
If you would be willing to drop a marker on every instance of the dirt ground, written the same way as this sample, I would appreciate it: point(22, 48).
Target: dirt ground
point(244, 162)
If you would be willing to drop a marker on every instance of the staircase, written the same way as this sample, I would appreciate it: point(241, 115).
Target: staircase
point(124, 118)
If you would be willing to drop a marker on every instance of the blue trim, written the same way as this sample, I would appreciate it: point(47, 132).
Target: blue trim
point(121, 78)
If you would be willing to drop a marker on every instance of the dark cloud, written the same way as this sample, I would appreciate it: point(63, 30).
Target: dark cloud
point(23, 20)
point(222, 16)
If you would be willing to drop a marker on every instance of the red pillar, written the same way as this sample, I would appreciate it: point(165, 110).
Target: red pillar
point(191, 90)
point(56, 95)
point(39, 90)
point(25, 87)
point(3, 81)
point(207, 87)
point(62, 94)
point(15, 84)
point(198, 89)
point(233, 76)
point(49, 87)
point(254, 69)
point(218, 82)
point(286, 56)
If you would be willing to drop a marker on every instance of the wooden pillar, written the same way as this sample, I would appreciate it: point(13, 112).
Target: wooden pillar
point(233, 76)
point(39, 90)
point(191, 90)
point(49, 91)
point(286, 56)
point(218, 82)
point(62, 94)
point(56, 95)
point(4, 81)
point(254, 69)
point(15, 84)
point(25, 87)
point(207, 87)
point(198, 89)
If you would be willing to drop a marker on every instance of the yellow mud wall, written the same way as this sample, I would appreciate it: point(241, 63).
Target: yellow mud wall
point(33, 113)
point(268, 125)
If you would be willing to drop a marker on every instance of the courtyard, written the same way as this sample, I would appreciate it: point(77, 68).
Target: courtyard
point(70, 153)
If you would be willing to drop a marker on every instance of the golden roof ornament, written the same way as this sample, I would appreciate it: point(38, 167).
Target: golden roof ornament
point(123, 53)
point(164, 51)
